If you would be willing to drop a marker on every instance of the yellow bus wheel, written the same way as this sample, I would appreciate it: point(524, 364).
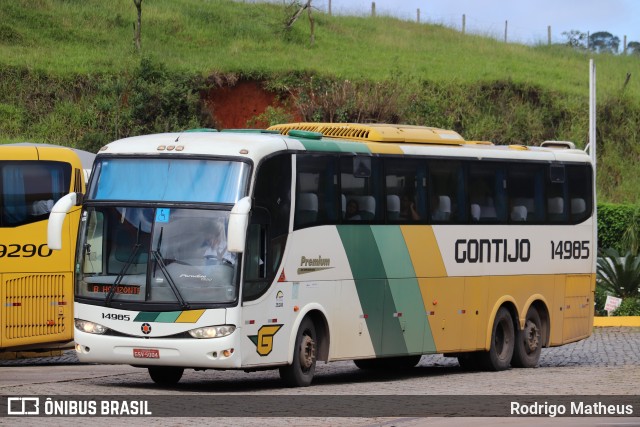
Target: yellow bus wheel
point(498, 358)
point(528, 344)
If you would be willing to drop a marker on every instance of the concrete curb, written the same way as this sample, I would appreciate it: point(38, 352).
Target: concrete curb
point(616, 321)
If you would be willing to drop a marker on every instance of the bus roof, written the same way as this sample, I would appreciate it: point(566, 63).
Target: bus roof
point(361, 139)
point(86, 157)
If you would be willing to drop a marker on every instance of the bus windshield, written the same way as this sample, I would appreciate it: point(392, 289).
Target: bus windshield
point(29, 190)
point(156, 255)
point(164, 179)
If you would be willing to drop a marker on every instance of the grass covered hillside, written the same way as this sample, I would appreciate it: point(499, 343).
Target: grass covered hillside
point(70, 74)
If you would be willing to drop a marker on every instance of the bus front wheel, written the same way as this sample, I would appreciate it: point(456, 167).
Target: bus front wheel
point(301, 371)
point(528, 343)
point(165, 375)
point(498, 358)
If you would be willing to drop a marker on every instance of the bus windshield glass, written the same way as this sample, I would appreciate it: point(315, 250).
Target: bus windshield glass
point(156, 255)
point(29, 190)
point(164, 179)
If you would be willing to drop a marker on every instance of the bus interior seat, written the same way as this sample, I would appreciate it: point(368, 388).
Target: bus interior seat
point(519, 213)
point(122, 247)
point(578, 206)
point(41, 207)
point(488, 210)
point(555, 205)
point(306, 208)
point(475, 212)
point(527, 202)
point(393, 207)
point(366, 207)
point(443, 212)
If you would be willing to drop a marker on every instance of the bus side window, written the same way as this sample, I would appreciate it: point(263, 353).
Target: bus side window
point(580, 182)
point(317, 199)
point(269, 225)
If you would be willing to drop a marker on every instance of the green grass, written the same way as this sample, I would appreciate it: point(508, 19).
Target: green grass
point(95, 36)
point(69, 74)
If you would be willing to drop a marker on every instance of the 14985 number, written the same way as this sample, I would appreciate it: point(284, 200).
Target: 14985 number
point(570, 249)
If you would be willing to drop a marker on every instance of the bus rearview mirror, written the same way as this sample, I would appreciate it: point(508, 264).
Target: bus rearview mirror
point(56, 219)
point(238, 220)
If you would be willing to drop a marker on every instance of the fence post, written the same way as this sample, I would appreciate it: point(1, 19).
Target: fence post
point(549, 35)
point(373, 9)
point(329, 7)
point(464, 22)
point(506, 23)
point(625, 45)
point(418, 16)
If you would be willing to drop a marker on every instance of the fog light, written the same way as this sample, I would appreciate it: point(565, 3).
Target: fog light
point(227, 353)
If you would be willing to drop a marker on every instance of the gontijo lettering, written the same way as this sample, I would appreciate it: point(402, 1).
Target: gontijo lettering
point(492, 250)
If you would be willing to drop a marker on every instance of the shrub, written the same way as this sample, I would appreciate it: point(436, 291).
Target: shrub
point(613, 221)
point(619, 275)
point(628, 307)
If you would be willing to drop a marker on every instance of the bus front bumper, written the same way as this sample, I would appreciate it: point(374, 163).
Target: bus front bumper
point(214, 353)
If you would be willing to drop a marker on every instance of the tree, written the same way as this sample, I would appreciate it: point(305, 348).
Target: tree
point(576, 39)
point(137, 27)
point(633, 48)
point(300, 7)
point(604, 41)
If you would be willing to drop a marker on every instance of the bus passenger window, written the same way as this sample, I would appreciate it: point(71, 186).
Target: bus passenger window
point(406, 181)
point(447, 192)
point(360, 186)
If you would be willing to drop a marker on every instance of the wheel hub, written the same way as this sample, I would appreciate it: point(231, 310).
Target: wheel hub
point(307, 352)
point(532, 336)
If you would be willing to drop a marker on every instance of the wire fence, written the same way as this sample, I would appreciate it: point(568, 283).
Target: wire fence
point(501, 30)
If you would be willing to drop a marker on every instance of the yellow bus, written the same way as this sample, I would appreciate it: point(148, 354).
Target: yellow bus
point(323, 242)
point(36, 283)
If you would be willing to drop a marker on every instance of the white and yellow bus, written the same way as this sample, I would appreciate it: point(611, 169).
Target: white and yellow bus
point(325, 242)
point(36, 284)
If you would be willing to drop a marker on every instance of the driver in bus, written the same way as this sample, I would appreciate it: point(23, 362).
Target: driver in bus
point(216, 252)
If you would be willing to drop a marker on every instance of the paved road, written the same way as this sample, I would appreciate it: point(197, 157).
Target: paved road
point(608, 363)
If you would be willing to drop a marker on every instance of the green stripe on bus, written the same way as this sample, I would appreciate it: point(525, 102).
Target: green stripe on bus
point(328, 145)
point(404, 289)
point(373, 289)
point(168, 317)
point(146, 316)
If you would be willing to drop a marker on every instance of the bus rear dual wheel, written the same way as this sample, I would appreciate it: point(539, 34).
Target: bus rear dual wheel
point(509, 347)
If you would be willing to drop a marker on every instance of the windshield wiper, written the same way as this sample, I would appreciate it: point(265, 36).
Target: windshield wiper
point(125, 267)
point(163, 267)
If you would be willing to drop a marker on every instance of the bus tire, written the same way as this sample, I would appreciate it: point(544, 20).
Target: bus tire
point(470, 361)
point(528, 344)
point(165, 375)
point(392, 363)
point(498, 358)
point(300, 372)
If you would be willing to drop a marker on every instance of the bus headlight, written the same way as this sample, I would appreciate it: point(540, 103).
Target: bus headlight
point(90, 327)
point(212, 331)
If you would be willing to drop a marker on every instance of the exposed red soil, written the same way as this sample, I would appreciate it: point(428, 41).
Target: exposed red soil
point(232, 107)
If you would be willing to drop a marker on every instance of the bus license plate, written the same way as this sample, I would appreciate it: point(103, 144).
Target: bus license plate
point(146, 353)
